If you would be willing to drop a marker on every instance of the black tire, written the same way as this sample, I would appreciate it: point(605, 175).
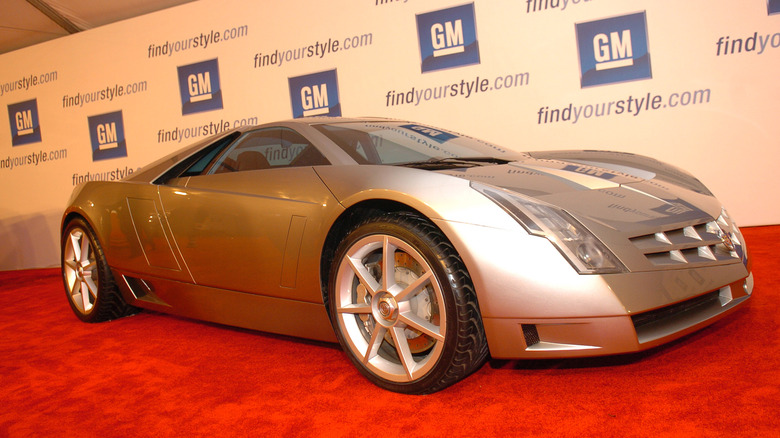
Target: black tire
point(89, 284)
point(412, 340)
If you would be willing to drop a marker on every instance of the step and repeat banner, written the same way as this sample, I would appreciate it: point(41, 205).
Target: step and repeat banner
point(693, 83)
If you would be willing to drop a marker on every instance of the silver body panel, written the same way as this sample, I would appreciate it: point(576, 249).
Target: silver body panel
point(247, 248)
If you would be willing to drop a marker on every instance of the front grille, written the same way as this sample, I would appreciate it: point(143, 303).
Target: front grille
point(643, 319)
point(695, 245)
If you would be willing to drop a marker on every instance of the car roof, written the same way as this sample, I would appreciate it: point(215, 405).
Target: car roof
point(321, 120)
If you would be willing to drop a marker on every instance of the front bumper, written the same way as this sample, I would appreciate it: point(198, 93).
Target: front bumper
point(534, 305)
point(512, 338)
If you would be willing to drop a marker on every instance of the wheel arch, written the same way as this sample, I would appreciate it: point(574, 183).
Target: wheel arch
point(69, 216)
point(93, 202)
point(343, 224)
point(77, 213)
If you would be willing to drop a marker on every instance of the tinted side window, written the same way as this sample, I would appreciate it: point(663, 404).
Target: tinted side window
point(267, 149)
point(201, 164)
point(196, 163)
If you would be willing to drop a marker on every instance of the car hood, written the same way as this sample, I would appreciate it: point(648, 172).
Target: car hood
point(624, 192)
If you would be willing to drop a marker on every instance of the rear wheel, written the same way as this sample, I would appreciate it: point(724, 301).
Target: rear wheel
point(92, 293)
point(403, 305)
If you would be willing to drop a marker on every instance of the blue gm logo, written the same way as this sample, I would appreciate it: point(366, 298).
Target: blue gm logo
point(613, 50)
point(316, 94)
point(25, 127)
point(107, 133)
point(433, 134)
point(448, 38)
point(773, 6)
point(199, 87)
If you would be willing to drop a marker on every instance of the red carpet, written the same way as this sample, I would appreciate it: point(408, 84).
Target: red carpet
point(157, 375)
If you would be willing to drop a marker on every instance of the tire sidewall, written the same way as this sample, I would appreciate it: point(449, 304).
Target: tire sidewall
point(104, 275)
point(386, 226)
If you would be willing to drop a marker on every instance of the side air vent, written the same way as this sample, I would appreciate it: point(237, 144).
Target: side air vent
point(142, 290)
point(138, 287)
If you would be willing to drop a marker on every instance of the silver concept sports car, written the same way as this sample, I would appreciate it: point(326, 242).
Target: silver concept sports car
point(419, 250)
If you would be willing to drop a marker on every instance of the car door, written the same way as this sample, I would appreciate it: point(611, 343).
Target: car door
point(250, 220)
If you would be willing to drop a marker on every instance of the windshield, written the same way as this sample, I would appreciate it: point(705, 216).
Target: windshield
point(399, 143)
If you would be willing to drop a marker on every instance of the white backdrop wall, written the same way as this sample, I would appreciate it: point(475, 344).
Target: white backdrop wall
point(695, 83)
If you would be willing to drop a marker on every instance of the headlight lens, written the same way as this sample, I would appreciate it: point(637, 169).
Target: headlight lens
point(579, 246)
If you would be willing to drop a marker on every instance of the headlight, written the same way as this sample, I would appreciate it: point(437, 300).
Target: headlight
point(579, 246)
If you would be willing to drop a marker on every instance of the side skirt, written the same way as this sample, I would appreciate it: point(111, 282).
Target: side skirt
point(239, 309)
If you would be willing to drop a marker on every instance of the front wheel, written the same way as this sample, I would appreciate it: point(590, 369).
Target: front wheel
point(92, 293)
point(403, 305)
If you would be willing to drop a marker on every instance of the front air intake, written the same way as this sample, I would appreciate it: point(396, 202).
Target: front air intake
point(531, 334)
